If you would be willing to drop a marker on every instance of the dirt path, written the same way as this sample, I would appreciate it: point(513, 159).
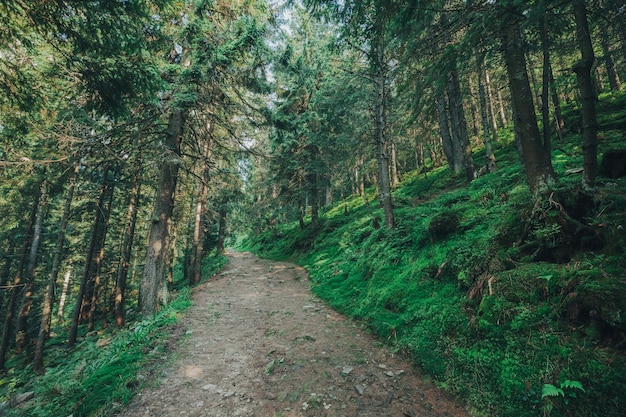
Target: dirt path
point(260, 344)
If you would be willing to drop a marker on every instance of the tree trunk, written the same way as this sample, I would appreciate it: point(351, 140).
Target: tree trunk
point(384, 186)
point(492, 113)
point(21, 328)
point(559, 121)
point(221, 234)
point(97, 280)
point(545, 83)
point(46, 315)
point(609, 62)
point(17, 285)
point(64, 291)
point(460, 140)
point(155, 266)
point(444, 131)
point(199, 227)
point(85, 290)
point(537, 163)
point(587, 93)
point(502, 112)
point(489, 156)
point(127, 245)
point(8, 261)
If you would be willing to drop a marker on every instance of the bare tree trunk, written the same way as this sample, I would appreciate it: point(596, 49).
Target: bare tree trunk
point(446, 136)
point(8, 261)
point(545, 83)
point(64, 291)
point(97, 281)
point(585, 85)
point(21, 328)
point(199, 228)
point(489, 156)
point(537, 163)
point(221, 234)
point(609, 62)
point(155, 267)
point(384, 186)
point(83, 297)
point(127, 245)
point(17, 285)
point(460, 140)
point(502, 112)
point(46, 315)
point(556, 103)
point(492, 113)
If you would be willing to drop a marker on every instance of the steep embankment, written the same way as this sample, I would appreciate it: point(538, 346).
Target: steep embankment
point(517, 305)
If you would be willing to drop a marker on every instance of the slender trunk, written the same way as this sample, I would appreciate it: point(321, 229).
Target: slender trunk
point(21, 328)
point(46, 315)
point(301, 212)
point(395, 179)
point(545, 83)
point(127, 245)
point(502, 111)
point(492, 113)
point(489, 156)
point(97, 278)
point(536, 161)
point(199, 228)
point(559, 121)
point(460, 140)
point(84, 289)
point(64, 290)
point(444, 131)
point(6, 269)
point(384, 186)
point(155, 267)
point(221, 234)
point(609, 62)
point(473, 106)
point(587, 93)
point(17, 285)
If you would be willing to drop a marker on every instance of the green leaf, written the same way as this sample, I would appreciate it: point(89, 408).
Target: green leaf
point(550, 390)
point(572, 384)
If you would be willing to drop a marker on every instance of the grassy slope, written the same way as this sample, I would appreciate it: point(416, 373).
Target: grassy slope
point(495, 298)
point(105, 370)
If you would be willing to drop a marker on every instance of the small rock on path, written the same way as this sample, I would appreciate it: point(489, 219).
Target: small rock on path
point(260, 344)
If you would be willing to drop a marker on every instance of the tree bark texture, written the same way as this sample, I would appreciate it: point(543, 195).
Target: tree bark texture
point(460, 140)
point(221, 234)
point(199, 227)
point(46, 310)
point(490, 158)
point(588, 96)
point(96, 240)
point(17, 285)
point(545, 83)
point(384, 185)
point(537, 162)
point(155, 267)
point(21, 328)
point(609, 62)
point(127, 245)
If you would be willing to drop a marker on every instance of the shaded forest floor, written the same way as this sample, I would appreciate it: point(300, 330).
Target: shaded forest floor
point(257, 343)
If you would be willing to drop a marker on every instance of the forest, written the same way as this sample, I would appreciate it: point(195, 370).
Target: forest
point(449, 172)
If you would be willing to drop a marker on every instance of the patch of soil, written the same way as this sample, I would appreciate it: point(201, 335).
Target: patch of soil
point(260, 344)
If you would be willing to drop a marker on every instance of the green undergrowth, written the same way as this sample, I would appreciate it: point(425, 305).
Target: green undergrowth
point(106, 368)
point(517, 306)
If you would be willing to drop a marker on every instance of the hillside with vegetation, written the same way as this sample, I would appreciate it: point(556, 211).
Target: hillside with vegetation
point(450, 172)
point(514, 303)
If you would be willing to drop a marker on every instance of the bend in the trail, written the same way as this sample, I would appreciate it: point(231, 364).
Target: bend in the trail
point(260, 344)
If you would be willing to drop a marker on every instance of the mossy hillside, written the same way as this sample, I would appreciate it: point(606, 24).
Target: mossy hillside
point(493, 294)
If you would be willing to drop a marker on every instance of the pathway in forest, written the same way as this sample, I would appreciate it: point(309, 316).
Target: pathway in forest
point(259, 343)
